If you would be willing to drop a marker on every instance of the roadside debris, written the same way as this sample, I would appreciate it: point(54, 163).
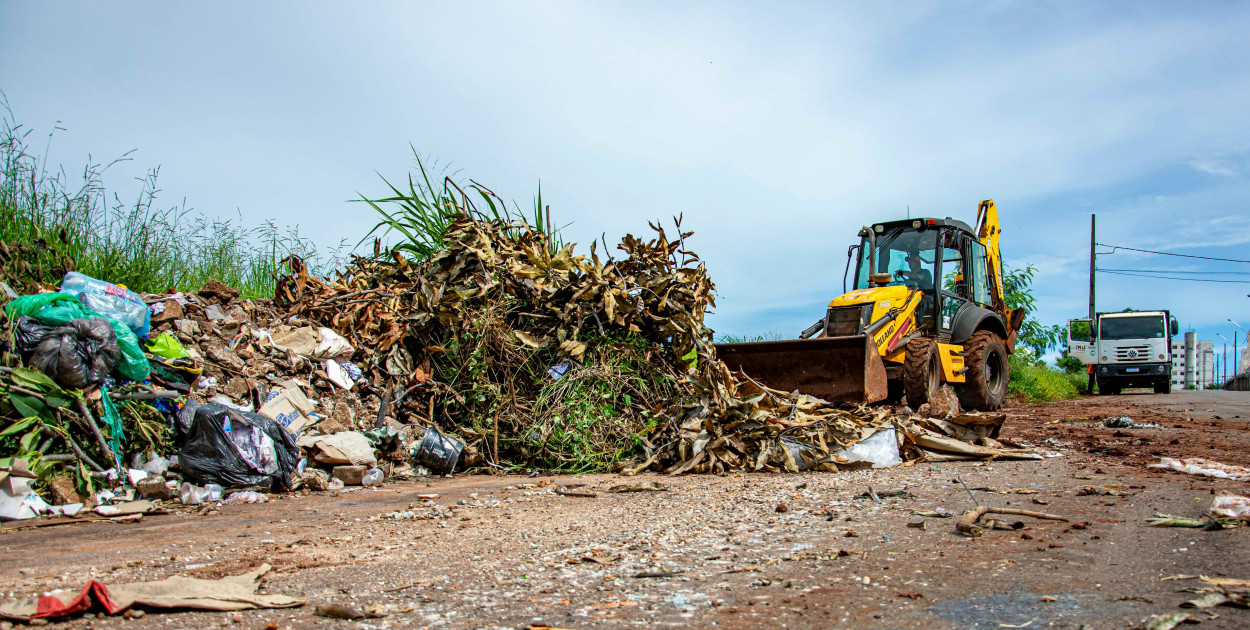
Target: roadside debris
point(229, 593)
point(343, 611)
point(1205, 467)
point(1231, 506)
point(1123, 422)
point(642, 486)
point(967, 524)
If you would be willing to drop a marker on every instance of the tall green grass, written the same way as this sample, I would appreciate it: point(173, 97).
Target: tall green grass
point(52, 221)
point(419, 213)
point(1035, 381)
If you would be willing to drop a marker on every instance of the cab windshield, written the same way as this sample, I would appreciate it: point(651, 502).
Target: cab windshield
point(904, 253)
point(1132, 328)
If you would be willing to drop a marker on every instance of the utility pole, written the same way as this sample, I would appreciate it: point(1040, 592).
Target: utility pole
point(1089, 387)
point(1092, 261)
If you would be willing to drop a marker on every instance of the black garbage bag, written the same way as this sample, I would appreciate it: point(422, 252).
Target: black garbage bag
point(81, 353)
point(229, 447)
point(27, 335)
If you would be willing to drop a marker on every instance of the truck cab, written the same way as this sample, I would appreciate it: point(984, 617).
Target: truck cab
point(1125, 349)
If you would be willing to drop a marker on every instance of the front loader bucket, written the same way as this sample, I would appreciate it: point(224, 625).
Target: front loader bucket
point(832, 368)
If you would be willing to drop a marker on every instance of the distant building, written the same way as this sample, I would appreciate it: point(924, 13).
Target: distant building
point(1204, 364)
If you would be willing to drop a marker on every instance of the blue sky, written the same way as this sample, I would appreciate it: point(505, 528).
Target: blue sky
point(777, 130)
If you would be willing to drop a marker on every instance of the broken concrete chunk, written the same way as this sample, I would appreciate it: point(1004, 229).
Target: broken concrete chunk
point(349, 475)
point(154, 488)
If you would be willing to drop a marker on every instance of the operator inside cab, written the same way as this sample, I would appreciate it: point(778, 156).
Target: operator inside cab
point(916, 272)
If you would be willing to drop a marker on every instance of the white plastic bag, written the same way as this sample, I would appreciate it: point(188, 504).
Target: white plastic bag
point(881, 449)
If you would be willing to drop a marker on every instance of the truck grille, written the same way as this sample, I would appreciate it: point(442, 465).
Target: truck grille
point(843, 321)
point(1132, 353)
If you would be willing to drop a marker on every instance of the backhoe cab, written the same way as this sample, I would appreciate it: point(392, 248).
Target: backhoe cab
point(926, 307)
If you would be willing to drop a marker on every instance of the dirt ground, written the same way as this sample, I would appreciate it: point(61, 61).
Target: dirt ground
point(738, 551)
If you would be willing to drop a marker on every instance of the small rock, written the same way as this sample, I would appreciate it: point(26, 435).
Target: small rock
point(215, 289)
point(154, 488)
point(349, 475)
point(217, 352)
point(133, 613)
point(314, 479)
point(63, 492)
point(781, 508)
point(173, 311)
point(944, 404)
point(236, 317)
point(187, 327)
point(236, 388)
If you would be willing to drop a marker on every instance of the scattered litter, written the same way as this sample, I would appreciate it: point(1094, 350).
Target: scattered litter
point(1123, 422)
point(642, 486)
point(343, 611)
point(191, 494)
point(437, 452)
point(1231, 506)
point(246, 496)
point(229, 593)
point(967, 523)
point(1168, 621)
point(1205, 467)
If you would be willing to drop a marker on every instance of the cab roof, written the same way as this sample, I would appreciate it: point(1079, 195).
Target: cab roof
point(926, 222)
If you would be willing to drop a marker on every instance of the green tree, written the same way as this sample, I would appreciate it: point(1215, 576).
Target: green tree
point(1018, 293)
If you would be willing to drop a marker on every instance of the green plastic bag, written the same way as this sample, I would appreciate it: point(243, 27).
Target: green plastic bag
point(166, 345)
point(60, 308)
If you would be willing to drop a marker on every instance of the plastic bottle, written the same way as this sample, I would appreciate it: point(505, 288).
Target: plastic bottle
point(373, 477)
point(109, 300)
point(192, 494)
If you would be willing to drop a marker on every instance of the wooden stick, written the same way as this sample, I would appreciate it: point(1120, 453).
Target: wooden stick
point(77, 450)
point(152, 395)
point(95, 429)
point(968, 522)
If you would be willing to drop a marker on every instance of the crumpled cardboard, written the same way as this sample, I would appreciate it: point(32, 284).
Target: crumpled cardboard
point(236, 592)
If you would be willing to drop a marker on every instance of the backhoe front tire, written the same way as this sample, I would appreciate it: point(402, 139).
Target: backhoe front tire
point(921, 377)
point(985, 379)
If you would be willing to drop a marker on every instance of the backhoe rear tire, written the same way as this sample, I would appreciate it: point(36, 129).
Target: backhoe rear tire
point(985, 379)
point(921, 372)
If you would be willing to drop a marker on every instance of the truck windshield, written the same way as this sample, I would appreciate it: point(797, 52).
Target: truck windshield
point(904, 253)
point(1132, 328)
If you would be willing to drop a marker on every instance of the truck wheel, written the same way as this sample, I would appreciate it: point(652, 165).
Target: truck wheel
point(1164, 388)
point(920, 372)
point(985, 384)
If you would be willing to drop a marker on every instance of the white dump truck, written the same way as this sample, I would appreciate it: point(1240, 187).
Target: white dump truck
point(1125, 349)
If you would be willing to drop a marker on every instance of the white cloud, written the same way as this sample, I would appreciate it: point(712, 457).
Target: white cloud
point(1223, 168)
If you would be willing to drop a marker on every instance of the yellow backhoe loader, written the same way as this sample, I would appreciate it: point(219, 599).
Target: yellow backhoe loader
point(926, 308)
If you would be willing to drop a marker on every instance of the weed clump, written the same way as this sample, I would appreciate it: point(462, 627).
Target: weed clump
point(51, 223)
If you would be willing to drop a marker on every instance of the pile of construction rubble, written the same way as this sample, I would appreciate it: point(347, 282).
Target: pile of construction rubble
point(504, 351)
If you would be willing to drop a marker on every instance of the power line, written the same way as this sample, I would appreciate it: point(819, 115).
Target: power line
point(1148, 251)
point(1233, 273)
point(1139, 275)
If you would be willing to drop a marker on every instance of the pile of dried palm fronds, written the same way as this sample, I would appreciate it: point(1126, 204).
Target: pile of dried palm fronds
point(534, 355)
